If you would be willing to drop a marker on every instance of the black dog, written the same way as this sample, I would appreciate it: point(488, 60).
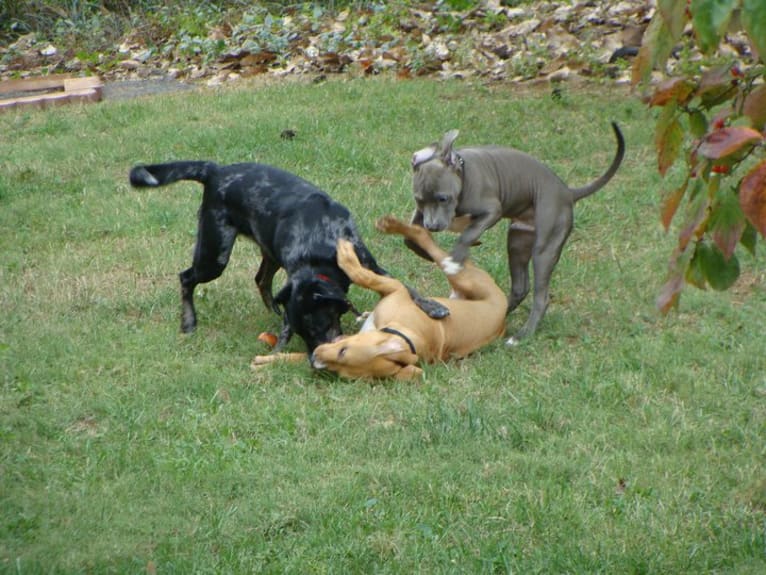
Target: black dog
point(295, 224)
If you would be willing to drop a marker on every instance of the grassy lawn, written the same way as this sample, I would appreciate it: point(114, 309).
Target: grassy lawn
point(614, 441)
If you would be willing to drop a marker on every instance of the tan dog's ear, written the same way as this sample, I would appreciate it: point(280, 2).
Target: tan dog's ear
point(396, 350)
point(391, 345)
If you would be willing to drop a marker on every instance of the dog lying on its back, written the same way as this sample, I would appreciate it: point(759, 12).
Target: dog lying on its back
point(295, 224)
point(397, 336)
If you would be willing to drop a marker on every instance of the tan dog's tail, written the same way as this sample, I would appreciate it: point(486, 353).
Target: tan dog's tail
point(580, 193)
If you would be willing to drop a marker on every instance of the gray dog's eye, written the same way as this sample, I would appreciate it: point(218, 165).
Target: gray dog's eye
point(442, 199)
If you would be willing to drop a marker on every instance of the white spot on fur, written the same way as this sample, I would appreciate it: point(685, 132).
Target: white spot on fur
point(450, 266)
point(369, 323)
point(512, 342)
point(318, 363)
point(423, 155)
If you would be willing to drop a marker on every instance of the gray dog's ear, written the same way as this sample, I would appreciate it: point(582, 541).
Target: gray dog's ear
point(445, 147)
point(423, 155)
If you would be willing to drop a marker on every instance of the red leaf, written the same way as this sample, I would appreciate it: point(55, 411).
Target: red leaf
point(671, 291)
point(728, 141)
point(670, 204)
point(755, 107)
point(675, 90)
point(715, 86)
point(642, 65)
point(752, 197)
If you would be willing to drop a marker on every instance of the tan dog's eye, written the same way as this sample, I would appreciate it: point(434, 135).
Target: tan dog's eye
point(342, 352)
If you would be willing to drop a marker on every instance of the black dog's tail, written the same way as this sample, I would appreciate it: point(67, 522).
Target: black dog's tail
point(162, 174)
point(580, 193)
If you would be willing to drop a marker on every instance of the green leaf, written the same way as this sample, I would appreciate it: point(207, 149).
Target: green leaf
point(727, 222)
point(694, 273)
point(710, 19)
point(720, 273)
point(668, 138)
point(749, 238)
point(697, 124)
point(655, 49)
point(695, 221)
point(674, 15)
point(754, 22)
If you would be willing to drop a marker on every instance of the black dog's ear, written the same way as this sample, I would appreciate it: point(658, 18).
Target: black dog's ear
point(284, 295)
point(339, 299)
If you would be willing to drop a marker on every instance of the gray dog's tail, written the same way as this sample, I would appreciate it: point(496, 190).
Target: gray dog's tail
point(580, 193)
point(162, 174)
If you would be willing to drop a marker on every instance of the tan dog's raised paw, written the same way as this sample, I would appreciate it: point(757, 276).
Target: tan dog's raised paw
point(390, 225)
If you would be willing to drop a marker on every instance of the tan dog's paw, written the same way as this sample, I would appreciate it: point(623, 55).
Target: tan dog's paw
point(450, 266)
point(346, 257)
point(390, 225)
point(260, 360)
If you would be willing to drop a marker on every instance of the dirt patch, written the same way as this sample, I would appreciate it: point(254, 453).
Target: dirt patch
point(126, 89)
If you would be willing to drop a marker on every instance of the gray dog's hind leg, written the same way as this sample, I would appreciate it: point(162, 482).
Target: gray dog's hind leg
point(546, 253)
point(520, 244)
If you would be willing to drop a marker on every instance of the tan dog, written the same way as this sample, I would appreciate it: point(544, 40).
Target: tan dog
point(397, 335)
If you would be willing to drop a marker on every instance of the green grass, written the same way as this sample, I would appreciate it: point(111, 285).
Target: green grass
point(614, 441)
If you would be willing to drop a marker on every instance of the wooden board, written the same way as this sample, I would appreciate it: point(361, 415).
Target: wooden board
point(49, 91)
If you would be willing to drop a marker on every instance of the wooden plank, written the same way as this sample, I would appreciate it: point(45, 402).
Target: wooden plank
point(67, 90)
point(52, 82)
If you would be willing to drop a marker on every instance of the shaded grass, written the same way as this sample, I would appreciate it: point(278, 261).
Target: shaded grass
point(613, 441)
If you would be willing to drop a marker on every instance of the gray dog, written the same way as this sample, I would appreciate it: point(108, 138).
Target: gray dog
point(471, 189)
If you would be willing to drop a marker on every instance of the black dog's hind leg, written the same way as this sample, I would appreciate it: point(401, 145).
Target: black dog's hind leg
point(263, 281)
point(215, 240)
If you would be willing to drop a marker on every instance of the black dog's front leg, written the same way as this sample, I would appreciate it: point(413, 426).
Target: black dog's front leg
point(284, 336)
point(263, 281)
point(431, 308)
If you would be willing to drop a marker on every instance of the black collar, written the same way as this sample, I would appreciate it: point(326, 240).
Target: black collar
point(400, 334)
point(461, 167)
